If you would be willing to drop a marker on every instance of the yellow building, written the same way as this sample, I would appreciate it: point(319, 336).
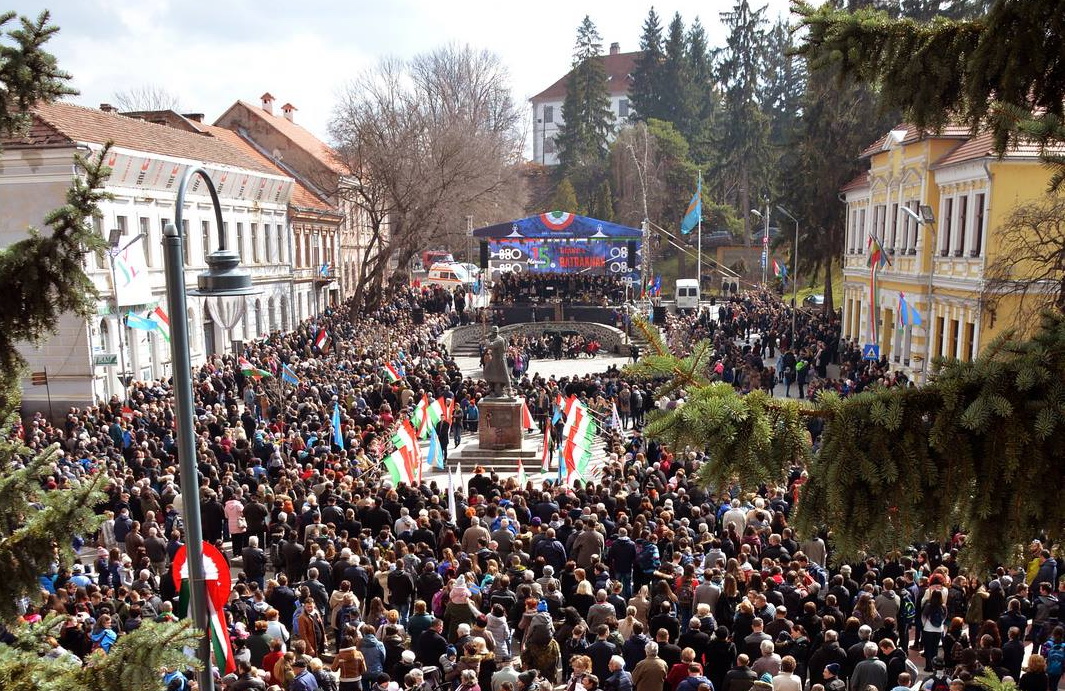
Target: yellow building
point(938, 266)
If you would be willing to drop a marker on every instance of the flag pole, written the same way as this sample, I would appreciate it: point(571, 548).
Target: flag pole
point(699, 241)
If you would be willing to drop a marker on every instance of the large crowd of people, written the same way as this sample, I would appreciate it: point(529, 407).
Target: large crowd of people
point(640, 580)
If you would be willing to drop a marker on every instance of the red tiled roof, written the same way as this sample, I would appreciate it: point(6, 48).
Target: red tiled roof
point(300, 137)
point(618, 68)
point(983, 146)
point(860, 181)
point(80, 124)
point(913, 135)
point(301, 198)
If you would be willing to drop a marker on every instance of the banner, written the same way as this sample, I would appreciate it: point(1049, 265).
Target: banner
point(601, 257)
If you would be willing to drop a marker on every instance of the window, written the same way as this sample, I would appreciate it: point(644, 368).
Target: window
point(948, 225)
point(255, 243)
point(969, 344)
point(892, 241)
point(549, 114)
point(978, 227)
point(953, 344)
point(861, 233)
point(240, 238)
point(549, 145)
point(623, 108)
point(205, 232)
point(963, 216)
point(940, 324)
point(280, 243)
point(146, 229)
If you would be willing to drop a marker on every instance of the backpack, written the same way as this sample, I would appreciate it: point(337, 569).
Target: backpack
point(540, 629)
point(440, 602)
point(939, 683)
point(1056, 659)
point(686, 593)
point(909, 612)
point(648, 559)
point(936, 617)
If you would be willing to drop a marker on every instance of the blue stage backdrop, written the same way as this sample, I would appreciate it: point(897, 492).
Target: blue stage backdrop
point(562, 242)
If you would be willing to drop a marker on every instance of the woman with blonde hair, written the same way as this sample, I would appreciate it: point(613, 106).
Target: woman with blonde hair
point(642, 603)
point(1035, 678)
point(582, 667)
point(625, 625)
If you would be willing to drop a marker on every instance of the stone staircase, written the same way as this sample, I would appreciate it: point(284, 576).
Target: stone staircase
point(505, 463)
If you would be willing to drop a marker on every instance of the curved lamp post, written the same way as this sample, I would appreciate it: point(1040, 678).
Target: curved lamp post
point(223, 278)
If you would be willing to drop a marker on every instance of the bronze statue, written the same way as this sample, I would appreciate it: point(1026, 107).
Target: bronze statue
point(495, 364)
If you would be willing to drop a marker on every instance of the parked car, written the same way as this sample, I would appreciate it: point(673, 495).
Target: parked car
point(814, 301)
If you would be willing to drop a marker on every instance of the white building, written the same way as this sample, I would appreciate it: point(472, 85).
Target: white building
point(547, 105)
point(148, 160)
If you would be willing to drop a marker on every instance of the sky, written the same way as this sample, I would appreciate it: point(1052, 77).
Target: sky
point(210, 54)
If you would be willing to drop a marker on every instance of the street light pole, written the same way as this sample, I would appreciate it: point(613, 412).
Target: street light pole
point(113, 253)
point(794, 271)
point(222, 279)
point(927, 219)
point(765, 243)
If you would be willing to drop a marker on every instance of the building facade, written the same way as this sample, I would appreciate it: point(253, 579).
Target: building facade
point(938, 266)
point(547, 105)
point(324, 177)
point(86, 361)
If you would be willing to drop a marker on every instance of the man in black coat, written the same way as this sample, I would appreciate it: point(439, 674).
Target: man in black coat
point(431, 644)
point(601, 651)
point(254, 559)
point(828, 653)
point(284, 600)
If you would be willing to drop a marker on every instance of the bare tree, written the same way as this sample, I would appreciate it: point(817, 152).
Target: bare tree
point(430, 141)
point(1030, 267)
point(146, 97)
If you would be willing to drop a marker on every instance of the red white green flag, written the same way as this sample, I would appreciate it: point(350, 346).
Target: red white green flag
point(526, 416)
point(578, 436)
point(218, 583)
point(404, 463)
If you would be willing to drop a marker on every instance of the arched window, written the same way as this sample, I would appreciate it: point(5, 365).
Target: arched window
point(258, 318)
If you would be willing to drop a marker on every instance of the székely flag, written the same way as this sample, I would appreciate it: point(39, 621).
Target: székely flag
point(338, 433)
point(135, 321)
point(250, 370)
point(908, 314)
point(694, 213)
point(435, 457)
point(289, 376)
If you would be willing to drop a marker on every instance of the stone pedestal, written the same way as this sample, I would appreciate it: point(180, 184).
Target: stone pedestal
point(500, 425)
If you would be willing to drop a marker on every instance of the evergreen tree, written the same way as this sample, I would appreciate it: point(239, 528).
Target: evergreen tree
point(963, 70)
point(587, 119)
point(42, 278)
point(704, 94)
point(603, 203)
point(645, 93)
point(741, 136)
point(565, 198)
point(675, 79)
point(978, 448)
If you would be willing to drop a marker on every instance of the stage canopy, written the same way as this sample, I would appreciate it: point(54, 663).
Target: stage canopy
point(559, 225)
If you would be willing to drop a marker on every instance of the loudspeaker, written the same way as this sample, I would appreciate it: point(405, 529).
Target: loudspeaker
point(418, 315)
point(632, 254)
point(484, 255)
point(659, 315)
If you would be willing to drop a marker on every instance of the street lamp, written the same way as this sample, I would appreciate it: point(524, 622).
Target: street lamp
point(927, 219)
point(765, 243)
point(223, 278)
point(794, 271)
point(113, 253)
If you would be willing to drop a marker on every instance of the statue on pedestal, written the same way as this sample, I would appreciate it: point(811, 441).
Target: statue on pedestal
point(495, 364)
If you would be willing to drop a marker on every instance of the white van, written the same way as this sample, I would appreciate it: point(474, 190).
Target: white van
point(687, 294)
point(451, 275)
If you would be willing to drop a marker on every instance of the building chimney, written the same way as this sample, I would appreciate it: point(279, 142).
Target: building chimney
point(195, 117)
point(108, 108)
point(288, 109)
point(268, 103)
point(615, 48)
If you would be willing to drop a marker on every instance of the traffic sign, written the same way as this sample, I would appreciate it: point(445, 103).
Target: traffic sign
point(870, 351)
point(39, 378)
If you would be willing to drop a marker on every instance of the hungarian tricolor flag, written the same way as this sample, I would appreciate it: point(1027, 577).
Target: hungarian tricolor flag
point(428, 413)
point(403, 463)
point(522, 478)
point(162, 322)
point(578, 435)
point(250, 370)
point(217, 583)
point(322, 341)
point(526, 416)
point(393, 372)
point(545, 455)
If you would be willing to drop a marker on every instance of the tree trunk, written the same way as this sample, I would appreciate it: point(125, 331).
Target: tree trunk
point(828, 307)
